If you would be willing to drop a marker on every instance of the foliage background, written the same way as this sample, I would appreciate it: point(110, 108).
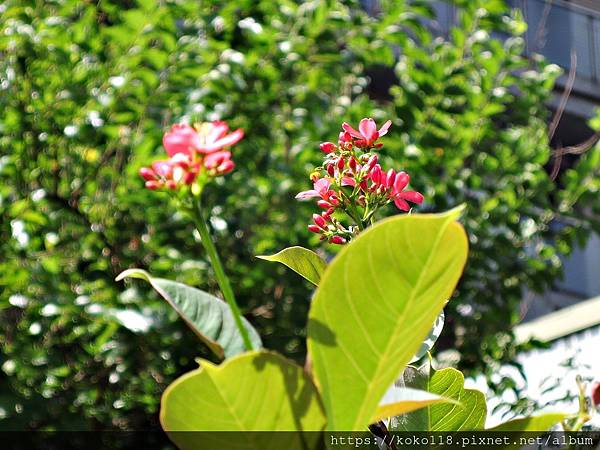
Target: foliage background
point(86, 91)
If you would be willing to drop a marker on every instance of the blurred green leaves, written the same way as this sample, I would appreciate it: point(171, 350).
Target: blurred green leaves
point(86, 91)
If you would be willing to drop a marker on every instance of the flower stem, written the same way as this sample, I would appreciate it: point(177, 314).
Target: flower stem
point(222, 279)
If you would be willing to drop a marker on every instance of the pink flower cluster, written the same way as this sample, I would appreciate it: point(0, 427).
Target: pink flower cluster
point(194, 153)
point(351, 181)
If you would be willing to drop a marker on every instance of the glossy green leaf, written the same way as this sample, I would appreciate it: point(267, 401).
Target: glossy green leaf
point(209, 317)
point(301, 260)
point(374, 306)
point(469, 413)
point(255, 391)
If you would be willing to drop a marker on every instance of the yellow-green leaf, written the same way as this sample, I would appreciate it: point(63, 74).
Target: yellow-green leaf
point(255, 391)
point(301, 260)
point(374, 306)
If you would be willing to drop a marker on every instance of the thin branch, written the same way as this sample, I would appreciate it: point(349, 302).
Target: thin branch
point(572, 150)
point(565, 96)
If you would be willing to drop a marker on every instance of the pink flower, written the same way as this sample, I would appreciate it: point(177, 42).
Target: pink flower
point(214, 137)
point(170, 173)
point(207, 137)
point(328, 147)
point(321, 189)
point(367, 133)
point(219, 163)
point(400, 196)
point(181, 139)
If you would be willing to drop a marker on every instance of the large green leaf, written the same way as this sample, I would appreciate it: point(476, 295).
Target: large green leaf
point(301, 260)
point(255, 391)
point(209, 317)
point(374, 306)
point(469, 413)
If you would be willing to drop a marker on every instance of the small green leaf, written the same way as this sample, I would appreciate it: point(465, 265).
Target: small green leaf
point(209, 317)
point(374, 306)
point(255, 391)
point(468, 413)
point(302, 261)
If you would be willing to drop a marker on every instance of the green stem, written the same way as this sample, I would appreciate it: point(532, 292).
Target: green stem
point(222, 279)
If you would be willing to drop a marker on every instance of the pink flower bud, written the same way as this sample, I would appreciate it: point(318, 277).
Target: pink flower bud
point(596, 394)
point(314, 229)
point(352, 164)
point(376, 174)
point(324, 204)
point(337, 240)
point(318, 220)
point(340, 163)
point(328, 147)
point(371, 162)
point(330, 211)
point(147, 173)
point(189, 177)
point(391, 176)
point(225, 167)
point(330, 170)
point(153, 184)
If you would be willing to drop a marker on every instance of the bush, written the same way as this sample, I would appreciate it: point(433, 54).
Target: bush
point(87, 91)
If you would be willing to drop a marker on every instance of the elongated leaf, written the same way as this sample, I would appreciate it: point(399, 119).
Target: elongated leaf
point(301, 260)
point(469, 413)
point(402, 400)
point(209, 317)
point(255, 391)
point(374, 306)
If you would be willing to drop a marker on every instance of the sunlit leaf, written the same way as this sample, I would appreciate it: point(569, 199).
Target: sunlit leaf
point(374, 306)
point(301, 260)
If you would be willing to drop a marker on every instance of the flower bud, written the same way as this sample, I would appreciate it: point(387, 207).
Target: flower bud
point(330, 211)
point(371, 162)
point(596, 394)
point(330, 170)
point(337, 240)
point(189, 177)
point(323, 204)
point(376, 174)
point(153, 184)
point(328, 147)
point(314, 229)
point(147, 174)
point(318, 220)
point(352, 164)
point(340, 163)
point(391, 176)
point(225, 167)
